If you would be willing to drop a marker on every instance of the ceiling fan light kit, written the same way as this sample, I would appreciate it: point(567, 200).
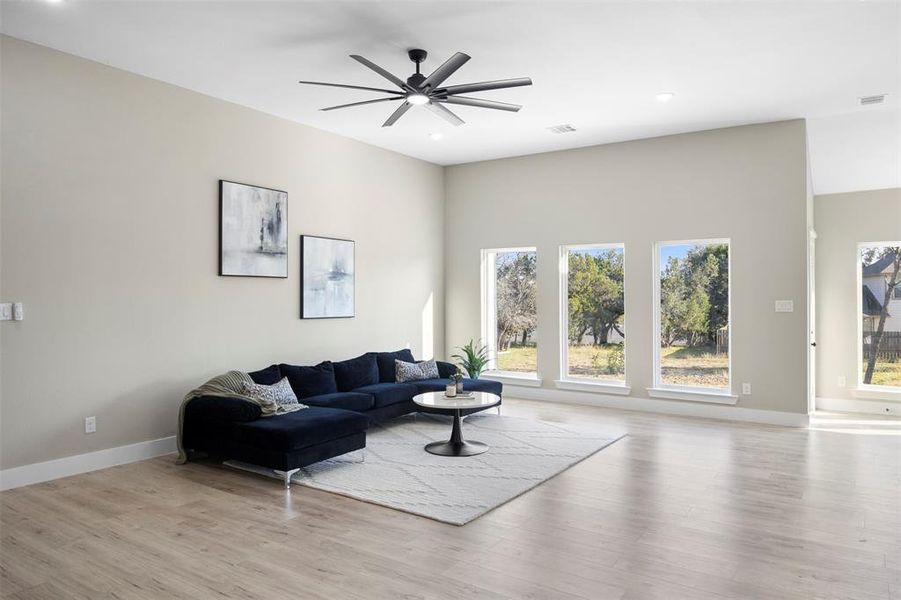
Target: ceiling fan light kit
point(419, 90)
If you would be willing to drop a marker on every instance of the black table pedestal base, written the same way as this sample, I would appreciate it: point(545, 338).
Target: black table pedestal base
point(456, 448)
point(456, 445)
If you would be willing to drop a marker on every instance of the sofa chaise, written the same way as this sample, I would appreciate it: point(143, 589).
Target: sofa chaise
point(344, 398)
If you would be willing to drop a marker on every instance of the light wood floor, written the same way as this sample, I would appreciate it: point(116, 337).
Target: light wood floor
point(683, 508)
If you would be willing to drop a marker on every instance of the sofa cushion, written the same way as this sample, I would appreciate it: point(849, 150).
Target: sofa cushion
point(345, 400)
point(356, 372)
point(386, 394)
point(474, 385)
point(310, 381)
point(314, 425)
point(219, 408)
point(386, 360)
point(268, 376)
point(446, 369)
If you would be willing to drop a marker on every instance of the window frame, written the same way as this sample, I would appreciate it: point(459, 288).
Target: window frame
point(574, 381)
point(688, 392)
point(489, 313)
point(869, 390)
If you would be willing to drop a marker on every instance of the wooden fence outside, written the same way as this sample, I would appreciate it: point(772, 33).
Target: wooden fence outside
point(889, 345)
point(722, 340)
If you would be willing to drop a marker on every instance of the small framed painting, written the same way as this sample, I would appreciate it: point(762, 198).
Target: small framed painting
point(326, 278)
point(253, 231)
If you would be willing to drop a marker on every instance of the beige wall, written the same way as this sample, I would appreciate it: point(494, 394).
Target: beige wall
point(109, 233)
point(745, 183)
point(842, 221)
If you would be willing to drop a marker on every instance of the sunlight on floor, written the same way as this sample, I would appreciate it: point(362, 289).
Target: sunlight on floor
point(855, 424)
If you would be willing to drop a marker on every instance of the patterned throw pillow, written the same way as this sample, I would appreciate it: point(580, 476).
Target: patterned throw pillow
point(279, 394)
point(404, 371)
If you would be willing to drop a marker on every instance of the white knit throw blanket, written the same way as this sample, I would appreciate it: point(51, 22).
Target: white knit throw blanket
point(228, 385)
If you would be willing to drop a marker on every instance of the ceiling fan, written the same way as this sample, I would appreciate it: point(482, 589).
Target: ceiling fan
point(419, 90)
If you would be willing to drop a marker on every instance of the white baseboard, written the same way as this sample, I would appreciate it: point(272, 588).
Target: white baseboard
point(670, 407)
point(83, 463)
point(859, 405)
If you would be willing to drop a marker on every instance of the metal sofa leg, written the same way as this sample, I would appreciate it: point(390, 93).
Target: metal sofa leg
point(287, 476)
point(498, 409)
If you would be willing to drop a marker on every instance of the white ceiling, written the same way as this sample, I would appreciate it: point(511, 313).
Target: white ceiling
point(596, 65)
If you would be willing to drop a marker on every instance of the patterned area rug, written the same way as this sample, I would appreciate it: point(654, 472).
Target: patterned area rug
point(400, 474)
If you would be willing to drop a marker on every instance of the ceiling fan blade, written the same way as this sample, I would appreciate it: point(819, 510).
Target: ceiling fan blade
point(395, 99)
point(397, 114)
point(446, 70)
point(392, 78)
point(444, 113)
point(352, 87)
point(466, 88)
point(478, 102)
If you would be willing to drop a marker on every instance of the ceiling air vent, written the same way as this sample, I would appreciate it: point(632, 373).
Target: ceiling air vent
point(868, 100)
point(565, 128)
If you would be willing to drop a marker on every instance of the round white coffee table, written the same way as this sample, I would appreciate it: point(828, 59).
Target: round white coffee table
point(456, 445)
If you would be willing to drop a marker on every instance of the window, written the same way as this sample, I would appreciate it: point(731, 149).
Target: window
point(593, 312)
point(880, 321)
point(692, 315)
point(509, 315)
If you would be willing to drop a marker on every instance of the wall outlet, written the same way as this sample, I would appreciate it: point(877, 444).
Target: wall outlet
point(785, 306)
point(842, 382)
point(90, 424)
point(746, 389)
point(6, 311)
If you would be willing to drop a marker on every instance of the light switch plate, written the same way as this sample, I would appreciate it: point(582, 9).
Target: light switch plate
point(18, 311)
point(6, 311)
point(746, 389)
point(785, 306)
point(842, 382)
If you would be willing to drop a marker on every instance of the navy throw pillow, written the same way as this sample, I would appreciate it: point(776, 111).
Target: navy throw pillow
point(446, 369)
point(356, 372)
point(310, 381)
point(386, 360)
point(268, 376)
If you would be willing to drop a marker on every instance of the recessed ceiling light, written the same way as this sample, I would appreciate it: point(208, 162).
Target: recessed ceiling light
point(664, 97)
point(436, 136)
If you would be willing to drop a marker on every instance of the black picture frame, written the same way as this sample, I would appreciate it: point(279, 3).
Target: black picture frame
point(221, 270)
point(353, 254)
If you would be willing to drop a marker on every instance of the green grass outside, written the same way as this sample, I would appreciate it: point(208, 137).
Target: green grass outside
point(681, 366)
point(700, 367)
point(886, 372)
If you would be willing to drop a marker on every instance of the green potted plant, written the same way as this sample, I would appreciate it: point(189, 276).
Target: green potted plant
point(473, 360)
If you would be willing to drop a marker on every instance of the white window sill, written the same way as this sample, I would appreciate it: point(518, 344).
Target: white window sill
point(876, 392)
point(598, 387)
point(692, 395)
point(512, 378)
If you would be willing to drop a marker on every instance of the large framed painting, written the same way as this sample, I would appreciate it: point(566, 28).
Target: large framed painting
point(327, 278)
point(253, 231)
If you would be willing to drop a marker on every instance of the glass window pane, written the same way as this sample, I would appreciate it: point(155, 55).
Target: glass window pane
point(516, 317)
point(880, 314)
point(694, 314)
point(595, 313)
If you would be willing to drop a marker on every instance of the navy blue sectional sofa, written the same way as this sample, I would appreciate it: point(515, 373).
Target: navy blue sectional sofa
point(344, 398)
